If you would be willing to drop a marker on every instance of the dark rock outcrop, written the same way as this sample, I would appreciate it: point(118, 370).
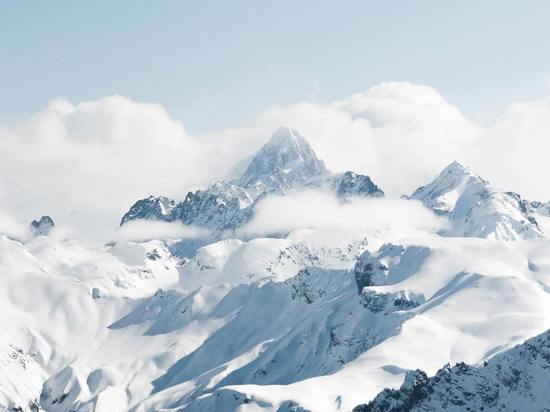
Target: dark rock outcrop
point(513, 380)
point(42, 227)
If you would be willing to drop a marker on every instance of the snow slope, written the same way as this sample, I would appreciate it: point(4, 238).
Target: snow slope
point(467, 311)
point(263, 259)
point(73, 284)
point(323, 338)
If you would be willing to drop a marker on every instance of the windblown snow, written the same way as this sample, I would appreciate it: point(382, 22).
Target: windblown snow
point(314, 319)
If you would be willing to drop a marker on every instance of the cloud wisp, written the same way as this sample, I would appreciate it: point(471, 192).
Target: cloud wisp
point(319, 209)
point(143, 230)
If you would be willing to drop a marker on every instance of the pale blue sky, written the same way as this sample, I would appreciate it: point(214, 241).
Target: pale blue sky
point(216, 64)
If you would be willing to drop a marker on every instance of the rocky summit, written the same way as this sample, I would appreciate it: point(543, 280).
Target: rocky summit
point(285, 163)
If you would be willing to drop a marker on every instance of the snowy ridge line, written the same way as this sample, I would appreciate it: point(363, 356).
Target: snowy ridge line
point(475, 208)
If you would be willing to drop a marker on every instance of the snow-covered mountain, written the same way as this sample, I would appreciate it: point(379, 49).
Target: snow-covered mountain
point(284, 163)
point(343, 348)
point(316, 319)
point(349, 185)
point(514, 380)
point(475, 208)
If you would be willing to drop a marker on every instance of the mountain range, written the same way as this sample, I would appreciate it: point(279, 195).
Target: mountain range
point(287, 163)
point(314, 319)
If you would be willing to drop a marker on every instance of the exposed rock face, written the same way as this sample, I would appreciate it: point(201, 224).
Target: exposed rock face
point(284, 163)
point(369, 271)
point(349, 184)
point(42, 227)
point(542, 208)
point(388, 302)
point(150, 208)
point(535, 207)
point(513, 380)
point(475, 208)
point(390, 264)
point(306, 285)
point(223, 206)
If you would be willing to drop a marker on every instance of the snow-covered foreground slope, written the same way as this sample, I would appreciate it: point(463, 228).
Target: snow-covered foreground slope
point(58, 299)
point(465, 310)
point(304, 327)
point(66, 328)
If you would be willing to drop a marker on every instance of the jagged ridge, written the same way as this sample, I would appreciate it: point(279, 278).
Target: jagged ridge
point(514, 380)
point(284, 163)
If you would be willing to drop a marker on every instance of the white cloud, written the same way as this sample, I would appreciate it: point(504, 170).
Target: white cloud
point(87, 164)
point(148, 229)
point(317, 209)
point(398, 133)
point(514, 151)
point(12, 227)
point(402, 135)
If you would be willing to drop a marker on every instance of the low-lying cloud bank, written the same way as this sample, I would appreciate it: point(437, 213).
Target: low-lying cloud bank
point(85, 164)
point(143, 230)
point(317, 209)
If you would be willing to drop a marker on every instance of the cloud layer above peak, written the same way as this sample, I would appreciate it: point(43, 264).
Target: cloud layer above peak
point(403, 134)
point(87, 163)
